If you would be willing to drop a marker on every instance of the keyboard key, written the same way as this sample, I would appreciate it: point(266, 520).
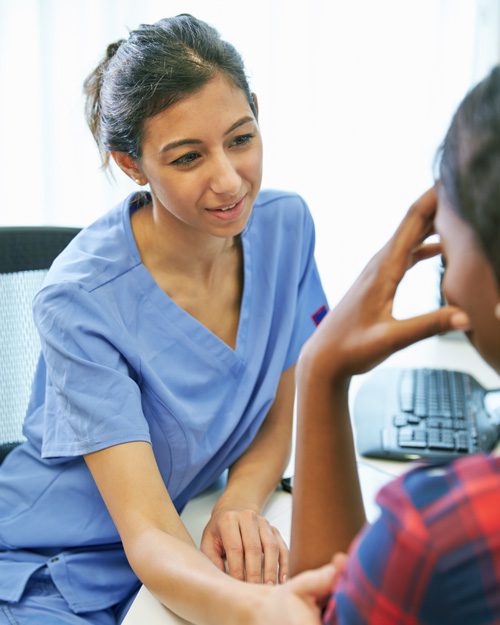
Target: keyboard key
point(442, 444)
point(413, 419)
point(435, 410)
point(433, 422)
point(412, 437)
point(413, 444)
point(419, 434)
point(406, 433)
point(421, 409)
point(406, 389)
point(448, 436)
point(400, 420)
point(462, 441)
point(440, 438)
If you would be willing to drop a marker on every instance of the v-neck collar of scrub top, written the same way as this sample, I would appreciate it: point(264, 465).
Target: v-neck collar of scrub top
point(189, 325)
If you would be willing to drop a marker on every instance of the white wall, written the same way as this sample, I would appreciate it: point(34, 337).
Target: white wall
point(355, 97)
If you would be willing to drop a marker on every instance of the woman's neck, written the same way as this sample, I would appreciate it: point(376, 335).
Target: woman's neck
point(168, 245)
point(201, 274)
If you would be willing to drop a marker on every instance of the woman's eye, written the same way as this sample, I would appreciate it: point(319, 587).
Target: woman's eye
point(186, 159)
point(242, 139)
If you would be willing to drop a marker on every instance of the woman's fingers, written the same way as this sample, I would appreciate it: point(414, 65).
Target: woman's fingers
point(275, 564)
point(212, 546)
point(233, 547)
point(253, 550)
point(252, 546)
point(266, 553)
point(284, 557)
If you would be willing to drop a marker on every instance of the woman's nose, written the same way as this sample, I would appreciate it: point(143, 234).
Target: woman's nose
point(224, 179)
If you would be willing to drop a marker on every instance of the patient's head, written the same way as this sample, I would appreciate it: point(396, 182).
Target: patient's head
point(468, 218)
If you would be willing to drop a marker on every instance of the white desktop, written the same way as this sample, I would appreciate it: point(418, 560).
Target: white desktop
point(448, 352)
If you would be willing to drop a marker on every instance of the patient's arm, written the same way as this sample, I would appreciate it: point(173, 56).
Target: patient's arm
point(359, 333)
point(327, 504)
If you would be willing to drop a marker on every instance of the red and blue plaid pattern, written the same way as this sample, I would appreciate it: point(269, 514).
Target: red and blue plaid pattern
point(433, 556)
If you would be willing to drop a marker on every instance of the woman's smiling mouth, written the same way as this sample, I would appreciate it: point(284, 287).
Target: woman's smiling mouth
point(231, 211)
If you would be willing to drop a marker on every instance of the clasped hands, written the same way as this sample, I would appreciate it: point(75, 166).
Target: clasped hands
point(243, 542)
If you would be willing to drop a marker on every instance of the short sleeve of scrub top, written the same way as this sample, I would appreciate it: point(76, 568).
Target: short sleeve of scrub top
point(311, 304)
point(92, 401)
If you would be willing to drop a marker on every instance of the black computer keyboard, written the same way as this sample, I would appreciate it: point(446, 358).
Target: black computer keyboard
point(416, 413)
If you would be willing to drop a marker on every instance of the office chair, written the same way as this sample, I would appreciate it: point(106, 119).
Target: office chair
point(26, 253)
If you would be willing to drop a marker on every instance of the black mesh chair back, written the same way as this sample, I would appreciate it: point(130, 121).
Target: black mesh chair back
point(26, 253)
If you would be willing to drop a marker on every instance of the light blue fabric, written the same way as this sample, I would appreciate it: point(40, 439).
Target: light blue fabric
point(42, 604)
point(122, 362)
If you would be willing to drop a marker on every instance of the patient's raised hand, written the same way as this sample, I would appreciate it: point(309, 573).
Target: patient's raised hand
point(361, 331)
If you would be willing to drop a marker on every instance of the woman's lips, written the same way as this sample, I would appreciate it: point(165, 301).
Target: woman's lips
point(229, 212)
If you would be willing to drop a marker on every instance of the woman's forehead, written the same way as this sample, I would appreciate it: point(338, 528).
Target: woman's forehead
point(217, 105)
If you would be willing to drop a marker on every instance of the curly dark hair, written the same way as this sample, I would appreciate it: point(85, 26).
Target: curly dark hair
point(469, 167)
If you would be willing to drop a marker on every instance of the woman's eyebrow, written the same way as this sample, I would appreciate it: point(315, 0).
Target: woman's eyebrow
point(181, 142)
point(240, 122)
point(177, 144)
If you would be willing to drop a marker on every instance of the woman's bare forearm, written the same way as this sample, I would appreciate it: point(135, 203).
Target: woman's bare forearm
point(191, 586)
point(185, 580)
point(255, 475)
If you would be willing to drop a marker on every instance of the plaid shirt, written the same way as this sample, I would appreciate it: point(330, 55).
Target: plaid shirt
point(433, 556)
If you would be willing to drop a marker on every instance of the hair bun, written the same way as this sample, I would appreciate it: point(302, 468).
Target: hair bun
point(112, 48)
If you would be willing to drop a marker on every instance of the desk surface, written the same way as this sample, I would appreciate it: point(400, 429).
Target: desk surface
point(452, 352)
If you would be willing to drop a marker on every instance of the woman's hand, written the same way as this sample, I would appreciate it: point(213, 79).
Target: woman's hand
point(253, 549)
point(360, 332)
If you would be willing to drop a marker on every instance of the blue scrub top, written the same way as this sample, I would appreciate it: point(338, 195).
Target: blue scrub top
point(121, 361)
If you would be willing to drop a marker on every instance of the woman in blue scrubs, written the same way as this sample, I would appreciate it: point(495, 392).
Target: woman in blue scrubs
point(170, 329)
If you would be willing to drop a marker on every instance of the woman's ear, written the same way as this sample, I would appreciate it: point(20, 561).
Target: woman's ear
point(256, 103)
point(129, 166)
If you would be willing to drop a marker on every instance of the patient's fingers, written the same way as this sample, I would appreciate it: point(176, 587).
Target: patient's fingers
point(407, 331)
point(417, 225)
point(424, 251)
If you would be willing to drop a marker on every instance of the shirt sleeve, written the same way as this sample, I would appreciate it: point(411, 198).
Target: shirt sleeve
point(312, 304)
point(390, 564)
point(92, 398)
